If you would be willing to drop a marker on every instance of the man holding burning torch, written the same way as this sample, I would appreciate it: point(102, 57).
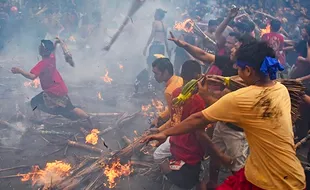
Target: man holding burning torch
point(54, 99)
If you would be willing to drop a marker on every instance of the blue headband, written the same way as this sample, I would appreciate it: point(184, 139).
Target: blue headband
point(270, 66)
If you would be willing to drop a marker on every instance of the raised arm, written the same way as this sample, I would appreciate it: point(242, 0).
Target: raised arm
point(196, 52)
point(219, 31)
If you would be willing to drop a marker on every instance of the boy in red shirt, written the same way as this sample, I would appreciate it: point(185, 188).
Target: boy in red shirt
point(54, 99)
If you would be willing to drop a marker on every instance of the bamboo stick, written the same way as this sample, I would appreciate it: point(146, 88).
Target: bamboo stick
point(84, 146)
point(13, 168)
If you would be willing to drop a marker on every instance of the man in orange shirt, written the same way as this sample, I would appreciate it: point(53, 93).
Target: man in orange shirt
point(163, 72)
point(263, 110)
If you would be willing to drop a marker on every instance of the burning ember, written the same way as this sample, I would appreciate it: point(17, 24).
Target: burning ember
point(186, 26)
point(158, 105)
point(151, 109)
point(106, 77)
point(52, 173)
point(99, 96)
point(265, 31)
point(34, 84)
point(121, 67)
point(72, 39)
point(159, 56)
point(92, 138)
point(145, 110)
point(136, 133)
point(115, 171)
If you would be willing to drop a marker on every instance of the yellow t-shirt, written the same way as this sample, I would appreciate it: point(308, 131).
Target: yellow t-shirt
point(265, 115)
point(173, 83)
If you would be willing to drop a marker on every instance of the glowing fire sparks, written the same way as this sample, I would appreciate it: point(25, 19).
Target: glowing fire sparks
point(92, 138)
point(34, 84)
point(186, 26)
point(115, 171)
point(151, 109)
point(158, 105)
point(106, 77)
point(121, 67)
point(136, 133)
point(52, 173)
point(159, 56)
point(265, 31)
point(145, 110)
point(99, 96)
point(72, 39)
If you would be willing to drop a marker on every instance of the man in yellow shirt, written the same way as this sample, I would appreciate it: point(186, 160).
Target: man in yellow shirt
point(263, 110)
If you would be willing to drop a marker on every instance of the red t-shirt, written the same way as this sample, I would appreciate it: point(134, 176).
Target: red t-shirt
point(186, 147)
point(276, 41)
point(50, 79)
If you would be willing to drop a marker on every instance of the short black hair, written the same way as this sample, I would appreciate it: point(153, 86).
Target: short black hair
point(254, 53)
point(48, 46)
point(161, 13)
point(250, 26)
point(190, 69)
point(275, 25)
point(163, 64)
point(241, 26)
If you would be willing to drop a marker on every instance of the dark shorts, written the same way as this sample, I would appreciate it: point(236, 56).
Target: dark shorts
point(187, 177)
point(38, 102)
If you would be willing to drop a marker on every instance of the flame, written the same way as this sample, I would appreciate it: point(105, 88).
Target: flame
point(265, 31)
point(34, 84)
point(136, 133)
point(158, 105)
point(52, 173)
point(92, 138)
point(159, 56)
point(115, 171)
point(121, 67)
point(186, 26)
point(151, 109)
point(145, 109)
point(106, 78)
point(99, 96)
point(72, 39)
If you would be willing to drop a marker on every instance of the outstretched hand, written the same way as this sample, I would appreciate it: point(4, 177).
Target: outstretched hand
point(160, 137)
point(16, 70)
point(178, 42)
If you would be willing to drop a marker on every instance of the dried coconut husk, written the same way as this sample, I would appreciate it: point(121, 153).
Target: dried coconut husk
point(295, 88)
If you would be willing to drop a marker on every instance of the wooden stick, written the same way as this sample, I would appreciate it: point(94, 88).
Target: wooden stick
point(84, 131)
point(126, 140)
point(84, 146)
point(105, 114)
point(136, 4)
point(13, 168)
point(13, 148)
point(10, 176)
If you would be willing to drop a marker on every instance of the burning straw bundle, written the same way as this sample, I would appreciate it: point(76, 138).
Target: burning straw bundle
point(190, 26)
point(295, 89)
point(135, 6)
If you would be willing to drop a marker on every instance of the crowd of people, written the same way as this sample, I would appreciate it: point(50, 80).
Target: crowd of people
point(250, 130)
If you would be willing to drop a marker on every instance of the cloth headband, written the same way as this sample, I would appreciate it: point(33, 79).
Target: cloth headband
point(270, 66)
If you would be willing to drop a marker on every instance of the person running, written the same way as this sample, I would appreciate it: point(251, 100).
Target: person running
point(54, 99)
